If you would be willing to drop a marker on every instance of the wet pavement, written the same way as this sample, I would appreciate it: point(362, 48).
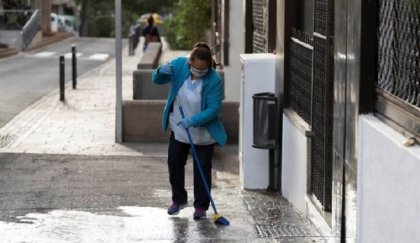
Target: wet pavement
point(69, 198)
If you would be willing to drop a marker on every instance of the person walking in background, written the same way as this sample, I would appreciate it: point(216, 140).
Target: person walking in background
point(150, 33)
point(134, 36)
point(196, 87)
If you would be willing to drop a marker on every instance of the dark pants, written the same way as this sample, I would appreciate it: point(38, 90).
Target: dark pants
point(177, 159)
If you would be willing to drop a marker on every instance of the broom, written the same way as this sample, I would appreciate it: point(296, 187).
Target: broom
point(218, 219)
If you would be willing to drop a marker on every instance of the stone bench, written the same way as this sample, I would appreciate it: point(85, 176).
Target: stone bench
point(142, 121)
point(144, 88)
point(150, 58)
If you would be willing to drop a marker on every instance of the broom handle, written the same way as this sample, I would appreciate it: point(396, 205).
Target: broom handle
point(197, 162)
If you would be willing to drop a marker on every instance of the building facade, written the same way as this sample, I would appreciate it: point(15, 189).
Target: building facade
point(349, 103)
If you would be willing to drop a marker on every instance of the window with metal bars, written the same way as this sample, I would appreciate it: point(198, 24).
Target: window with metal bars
point(398, 86)
point(321, 161)
point(259, 37)
point(260, 26)
point(309, 92)
point(299, 87)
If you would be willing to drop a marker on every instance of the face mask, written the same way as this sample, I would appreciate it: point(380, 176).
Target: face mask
point(198, 73)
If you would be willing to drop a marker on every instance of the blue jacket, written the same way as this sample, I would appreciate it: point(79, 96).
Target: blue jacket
point(211, 97)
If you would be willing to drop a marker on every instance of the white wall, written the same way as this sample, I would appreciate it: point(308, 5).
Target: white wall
point(294, 165)
point(296, 172)
point(258, 75)
point(236, 47)
point(388, 195)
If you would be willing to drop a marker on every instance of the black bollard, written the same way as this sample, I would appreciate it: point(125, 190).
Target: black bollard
point(131, 45)
point(74, 65)
point(61, 78)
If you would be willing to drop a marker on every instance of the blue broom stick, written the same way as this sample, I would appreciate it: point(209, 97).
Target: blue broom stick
point(217, 217)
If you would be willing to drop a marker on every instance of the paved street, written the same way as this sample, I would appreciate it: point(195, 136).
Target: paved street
point(29, 76)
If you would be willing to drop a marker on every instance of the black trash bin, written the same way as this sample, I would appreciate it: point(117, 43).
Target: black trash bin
point(265, 121)
point(266, 125)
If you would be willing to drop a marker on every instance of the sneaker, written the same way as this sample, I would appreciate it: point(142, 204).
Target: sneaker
point(199, 213)
point(175, 208)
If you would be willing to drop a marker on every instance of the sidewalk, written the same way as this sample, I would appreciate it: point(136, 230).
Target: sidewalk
point(85, 123)
point(79, 185)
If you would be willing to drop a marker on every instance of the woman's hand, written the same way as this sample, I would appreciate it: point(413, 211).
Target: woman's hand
point(185, 122)
point(166, 69)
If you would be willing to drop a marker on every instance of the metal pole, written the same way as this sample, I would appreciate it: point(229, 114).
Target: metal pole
point(271, 173)
point(62, 78)
point(74, 66)
point(118, 62)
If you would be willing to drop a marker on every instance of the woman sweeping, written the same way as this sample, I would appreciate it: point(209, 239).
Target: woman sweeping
point(197, 88)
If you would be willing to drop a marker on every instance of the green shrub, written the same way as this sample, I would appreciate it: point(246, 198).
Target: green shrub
point(191, 20)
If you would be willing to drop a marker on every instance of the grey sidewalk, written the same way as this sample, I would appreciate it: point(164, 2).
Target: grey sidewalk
point(64, 179)
point(83, 124)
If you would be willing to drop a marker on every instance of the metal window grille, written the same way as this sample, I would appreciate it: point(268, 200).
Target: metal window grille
point(321, 161)
point(310, 94)
point(399, 49)
point(399, 62)
point(322, 104)
point(300, 75)
point(320, 17)
point(259, 19)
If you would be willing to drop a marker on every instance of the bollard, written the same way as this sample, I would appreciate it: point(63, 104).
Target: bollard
point(130, 46)
point(61, 78)
point(74, 66)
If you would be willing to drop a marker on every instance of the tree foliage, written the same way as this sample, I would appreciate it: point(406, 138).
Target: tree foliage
point(192, 18)
point(97, 16)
